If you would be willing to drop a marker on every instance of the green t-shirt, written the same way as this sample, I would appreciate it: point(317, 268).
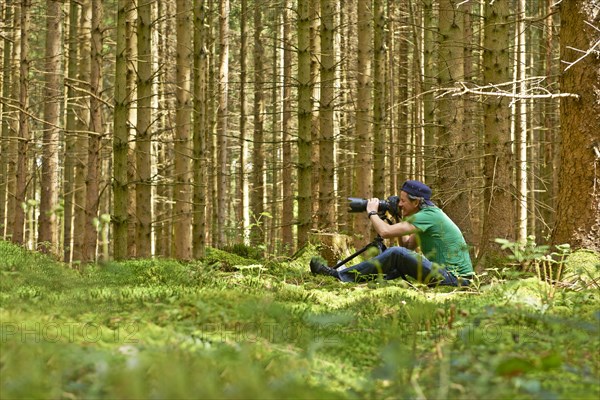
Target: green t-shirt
point(441, 241)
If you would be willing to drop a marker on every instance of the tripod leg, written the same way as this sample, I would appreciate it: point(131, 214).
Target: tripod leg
point(353, 256)
point(378, 242)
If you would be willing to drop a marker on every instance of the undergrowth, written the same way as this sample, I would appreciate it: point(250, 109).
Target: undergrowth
point(235, 326)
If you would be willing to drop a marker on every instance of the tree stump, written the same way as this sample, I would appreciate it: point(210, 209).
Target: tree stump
point(333, 247)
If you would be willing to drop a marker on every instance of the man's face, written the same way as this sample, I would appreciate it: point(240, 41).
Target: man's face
point(409, 207)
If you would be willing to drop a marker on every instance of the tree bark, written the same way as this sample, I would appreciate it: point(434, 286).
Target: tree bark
point(273, 193)
point(578, 211)
point(379, 101)
point(183, 174)
point(345, 153)
point(326, 211)
point(242, 181)
point(315, 78)
point(223, 202)
point(429, 68)
point(521, 116)
point(143, 188)
point(49, 185)
point(304, 123)
point(131, 127)
point(258, 156)
point(288, 199)
point(363, 162)
point(199, 140)
point(120, 218)
point(81, 141)
point(391, 83)
point(498, 220)
point(161, 132)
point(452, 139)
point(7, 151)
point(24, 136)
point(92, 199)
point(70, 134)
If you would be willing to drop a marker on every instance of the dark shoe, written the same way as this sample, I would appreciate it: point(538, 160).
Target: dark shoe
point(319, 266)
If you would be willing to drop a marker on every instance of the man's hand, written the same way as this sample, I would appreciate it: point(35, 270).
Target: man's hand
point(386, 230)
point(409, 241)
point(373, 205)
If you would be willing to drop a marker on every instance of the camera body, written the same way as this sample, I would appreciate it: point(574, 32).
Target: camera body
point(391, 205)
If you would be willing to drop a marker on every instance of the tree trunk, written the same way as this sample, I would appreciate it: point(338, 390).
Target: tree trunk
point(403, 161)
point(363, 162)
point(549, 133)
point(498, 220)
point(7, 151)
point(578, 212)
point(121, 137)
point(344, 167)
point(429, 68)
point(326, 211)
point(287, 216)
point(315, 78)
point(199, 141)
point(472, 130)
point(162, 150)
point(258, 157)
point(131, 95)
point(415, 140)
point(70, 134)
point(304, 123)
point(391, 82)
point(143, 188)
point(81, 142)
point(520, 117)
point(273, 192)
point(48, 216)
point(211, 139)
point(379, 101)
point(183, 174)
point(23, 146)
point(451, 148)
point(223, 202)
point(242, 181)
point(92, 199)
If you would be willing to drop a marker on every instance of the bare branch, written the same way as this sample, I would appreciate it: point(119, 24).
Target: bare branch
point(585, 53)
point(40, 120)
point(466, 1)
point(590, 24)
point(535, 92)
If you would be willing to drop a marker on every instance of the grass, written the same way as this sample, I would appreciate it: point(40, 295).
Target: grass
point(231, 327)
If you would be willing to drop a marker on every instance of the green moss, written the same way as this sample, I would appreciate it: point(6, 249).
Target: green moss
point(224, 260)
point(234, 327)
point(582, 268)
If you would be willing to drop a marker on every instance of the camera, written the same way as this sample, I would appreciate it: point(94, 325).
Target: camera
point(391, 205)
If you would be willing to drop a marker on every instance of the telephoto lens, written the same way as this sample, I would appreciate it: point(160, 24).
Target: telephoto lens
point(356, 204)
point(391, 205)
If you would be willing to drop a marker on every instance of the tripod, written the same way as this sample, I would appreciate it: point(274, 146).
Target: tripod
point(377, 242)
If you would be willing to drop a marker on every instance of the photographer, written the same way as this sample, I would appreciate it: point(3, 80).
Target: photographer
point(443, 258)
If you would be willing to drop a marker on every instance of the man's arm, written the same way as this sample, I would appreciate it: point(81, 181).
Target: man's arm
point(386, 230)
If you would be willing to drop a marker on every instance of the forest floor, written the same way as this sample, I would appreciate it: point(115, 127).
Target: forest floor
point(233, 327)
